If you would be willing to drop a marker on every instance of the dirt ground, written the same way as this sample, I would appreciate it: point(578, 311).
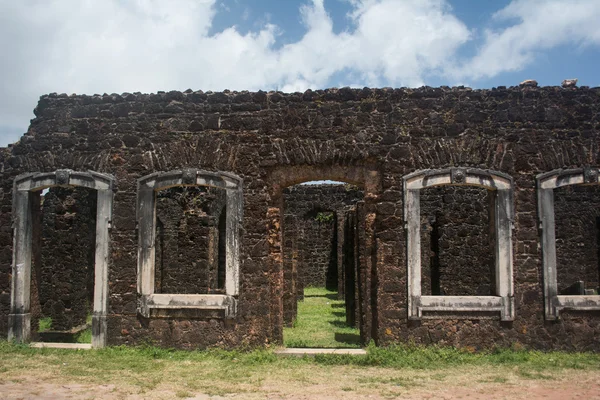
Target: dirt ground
point(351, 384)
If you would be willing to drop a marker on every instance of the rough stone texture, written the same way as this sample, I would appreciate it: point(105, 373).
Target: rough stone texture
point(318, 254)
point(350, 263)
point(368, 137)
point(63, 265)
point(577, 216)
point(457, 242)
point(188, 240)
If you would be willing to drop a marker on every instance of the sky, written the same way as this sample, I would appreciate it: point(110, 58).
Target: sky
point(116, 46)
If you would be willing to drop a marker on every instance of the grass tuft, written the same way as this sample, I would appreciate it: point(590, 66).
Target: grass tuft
point(45, 324)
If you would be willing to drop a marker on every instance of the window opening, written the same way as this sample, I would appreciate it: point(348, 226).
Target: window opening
point(567, 204)
point(457, 241)
point(183, 251)
point(449, 233)
point(577, 209)
point(56, 282)
point(190, 234)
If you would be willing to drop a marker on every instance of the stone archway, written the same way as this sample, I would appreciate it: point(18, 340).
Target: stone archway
point(364, 176)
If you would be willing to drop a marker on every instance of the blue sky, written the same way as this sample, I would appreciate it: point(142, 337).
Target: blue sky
point(97, 46)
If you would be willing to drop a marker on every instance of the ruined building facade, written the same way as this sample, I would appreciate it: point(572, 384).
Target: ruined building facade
point(470, 217)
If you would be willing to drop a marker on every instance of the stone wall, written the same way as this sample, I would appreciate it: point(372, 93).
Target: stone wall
point(577, 214)
point(368, 137)
point(188, 241)
point(457, 242)
point(350, 263)
point(318, 254)
point(63, 261)
point(6, 241)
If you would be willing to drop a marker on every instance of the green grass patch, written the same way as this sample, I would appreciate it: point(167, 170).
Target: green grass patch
point(220, 372)
point(321, 323)
point(84, 336)
point(45, 324)
point(143, 358)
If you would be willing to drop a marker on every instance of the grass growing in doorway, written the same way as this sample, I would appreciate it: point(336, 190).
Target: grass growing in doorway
point(321, 323)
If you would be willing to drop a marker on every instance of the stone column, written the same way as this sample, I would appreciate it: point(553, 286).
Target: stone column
point(19, 319)
point(341, 239)
point(276, 272)
point(103, 221)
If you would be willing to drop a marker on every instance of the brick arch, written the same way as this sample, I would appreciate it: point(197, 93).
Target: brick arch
point(367, 177)
point(30, 184)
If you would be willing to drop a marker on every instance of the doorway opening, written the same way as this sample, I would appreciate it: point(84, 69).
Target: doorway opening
point(320, 265)
point(63, 259)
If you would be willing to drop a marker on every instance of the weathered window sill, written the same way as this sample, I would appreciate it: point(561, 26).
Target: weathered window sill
point(430, 307)
point(188, 306)
point(575, 303)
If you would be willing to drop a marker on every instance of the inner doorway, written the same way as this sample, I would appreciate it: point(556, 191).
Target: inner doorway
point(77, 202)
point(320, 264)
point(62, 280)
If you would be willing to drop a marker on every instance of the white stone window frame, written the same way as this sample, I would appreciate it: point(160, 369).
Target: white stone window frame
point(156, 305)
point(546, 183)
point(23, 187)
point(434, 307)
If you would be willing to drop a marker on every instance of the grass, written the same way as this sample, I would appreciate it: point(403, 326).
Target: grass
point(321, 323)
point(383, 371)
point(85, 336)
point(45, 324)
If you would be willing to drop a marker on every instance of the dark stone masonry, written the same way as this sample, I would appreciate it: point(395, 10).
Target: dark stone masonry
point(63, 266)
point(221, 262)
point(457, 246)
point(188, 241)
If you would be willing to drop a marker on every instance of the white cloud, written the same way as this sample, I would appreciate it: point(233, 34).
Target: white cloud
point(540, 25)
point(92, 46)
point(88, 46)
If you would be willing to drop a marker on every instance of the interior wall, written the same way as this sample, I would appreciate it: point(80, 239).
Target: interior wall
point(188, 240)
point(457, 241)
point(64, 243)
point(577, 213)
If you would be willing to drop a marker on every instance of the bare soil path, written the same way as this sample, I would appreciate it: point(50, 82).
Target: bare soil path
point(337, 382)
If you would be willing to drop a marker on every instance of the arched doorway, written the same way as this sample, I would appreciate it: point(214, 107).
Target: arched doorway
point(349, 245)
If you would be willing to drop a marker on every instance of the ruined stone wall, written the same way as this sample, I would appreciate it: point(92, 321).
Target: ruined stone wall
point(457, 241)
point(350, 263)
point(6, 241)
point(318, 255)
point(64, 251)
point(187, 241)
point(577, 214)
point(370, 137)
